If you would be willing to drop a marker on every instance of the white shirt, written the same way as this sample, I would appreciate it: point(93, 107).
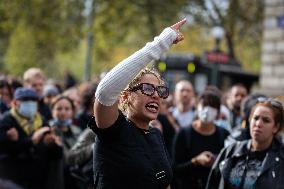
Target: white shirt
point(184, 118)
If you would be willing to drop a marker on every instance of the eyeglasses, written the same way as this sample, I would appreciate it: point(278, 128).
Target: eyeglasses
point(273, 102)
point(149, 89)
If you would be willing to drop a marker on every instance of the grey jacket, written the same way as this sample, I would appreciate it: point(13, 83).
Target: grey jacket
point(82, 150)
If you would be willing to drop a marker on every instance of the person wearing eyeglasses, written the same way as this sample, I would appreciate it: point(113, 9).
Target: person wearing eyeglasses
point(128, 152)
point(256, 163)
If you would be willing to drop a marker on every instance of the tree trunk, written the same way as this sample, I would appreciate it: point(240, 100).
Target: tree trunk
point(230, 46)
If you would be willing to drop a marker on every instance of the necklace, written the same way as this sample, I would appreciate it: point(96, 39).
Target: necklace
point(144, 131)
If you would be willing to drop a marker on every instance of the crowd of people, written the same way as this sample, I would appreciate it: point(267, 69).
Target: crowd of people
point(129, 131)
point(42, 126)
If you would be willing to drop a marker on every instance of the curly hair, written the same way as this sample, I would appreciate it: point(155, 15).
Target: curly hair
point(122, 104)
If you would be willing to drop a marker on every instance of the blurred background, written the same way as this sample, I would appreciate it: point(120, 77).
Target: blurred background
point(88, 37)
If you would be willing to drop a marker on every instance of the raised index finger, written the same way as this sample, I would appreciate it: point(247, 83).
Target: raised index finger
point(177, 25)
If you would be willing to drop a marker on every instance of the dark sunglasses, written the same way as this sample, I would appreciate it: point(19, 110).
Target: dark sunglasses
point(273, 102)
point(149, 89)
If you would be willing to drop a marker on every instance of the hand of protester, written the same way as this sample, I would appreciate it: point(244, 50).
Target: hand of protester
point(12, 134)
point(51, 139)
point(176, 27)
point(38, 134)
point(205, 159)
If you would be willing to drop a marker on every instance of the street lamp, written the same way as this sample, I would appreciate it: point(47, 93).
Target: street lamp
point(217, 32)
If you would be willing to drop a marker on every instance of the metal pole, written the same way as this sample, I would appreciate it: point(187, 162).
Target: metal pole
point(90, 39)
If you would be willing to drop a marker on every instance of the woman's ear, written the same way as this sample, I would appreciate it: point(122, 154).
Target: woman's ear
point(124, 96)
point(124, 100)
point(277, 128)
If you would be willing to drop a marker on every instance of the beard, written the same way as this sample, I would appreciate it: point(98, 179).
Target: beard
point(237, 108)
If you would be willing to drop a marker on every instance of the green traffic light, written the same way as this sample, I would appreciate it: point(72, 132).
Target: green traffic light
point(191, 68)
point(162, 66)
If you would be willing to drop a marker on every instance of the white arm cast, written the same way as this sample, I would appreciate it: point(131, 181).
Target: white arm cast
point(120, 76)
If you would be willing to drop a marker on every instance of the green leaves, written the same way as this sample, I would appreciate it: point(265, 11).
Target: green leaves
point(38, 30)
point(52, 34)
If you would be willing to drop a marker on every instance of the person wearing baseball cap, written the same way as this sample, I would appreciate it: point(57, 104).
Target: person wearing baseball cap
point(26, 102)
point(26, 141)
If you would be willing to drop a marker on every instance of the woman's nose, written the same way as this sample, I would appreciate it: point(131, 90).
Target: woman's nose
point(259, 123)
point(155, 95)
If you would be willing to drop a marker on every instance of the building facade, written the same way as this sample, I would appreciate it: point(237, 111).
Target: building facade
point(272, 71)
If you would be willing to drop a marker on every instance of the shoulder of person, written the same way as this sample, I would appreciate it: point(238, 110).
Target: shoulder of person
point(237, 148)
point(281, 151)
point(87, 133)
point(186, 130)
point(121, 119)
point(155, 130)
point(184, 133)
point(75, 129)
point(277, 144)
point(224, 132)
point(8, 121)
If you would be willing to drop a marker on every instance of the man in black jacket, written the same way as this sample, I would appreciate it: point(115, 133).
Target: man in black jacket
point(26, 144)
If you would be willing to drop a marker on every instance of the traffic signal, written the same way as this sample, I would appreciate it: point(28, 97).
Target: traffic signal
point(191, 67)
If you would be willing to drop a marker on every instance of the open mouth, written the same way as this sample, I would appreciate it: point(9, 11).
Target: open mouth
point(152, 107)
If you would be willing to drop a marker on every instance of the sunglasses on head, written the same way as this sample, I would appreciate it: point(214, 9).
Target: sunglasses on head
point(273, 102)
point(149, 89)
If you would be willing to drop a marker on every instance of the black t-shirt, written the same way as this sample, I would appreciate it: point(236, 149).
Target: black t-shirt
point(245, 172)
point(188, 144)
point(128, 157)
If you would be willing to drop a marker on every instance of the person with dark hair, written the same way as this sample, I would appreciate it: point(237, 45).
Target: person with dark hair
point(69, 80)
point(223, 119)
point(6, 96)
point(62, 122)
point(62, 108)
point(15, 83)
point(236, 95)
point(242, 132)
point(129, 153)
point(75, 95)
point(169, 125)
point(256, 163)
point(196, 147)
point(87, 101)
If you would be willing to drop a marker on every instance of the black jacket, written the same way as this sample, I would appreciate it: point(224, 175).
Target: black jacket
point(271, 174)
point(23, 162)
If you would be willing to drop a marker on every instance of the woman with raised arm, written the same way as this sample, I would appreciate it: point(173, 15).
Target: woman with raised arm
point(129, 153)
point(257, 163)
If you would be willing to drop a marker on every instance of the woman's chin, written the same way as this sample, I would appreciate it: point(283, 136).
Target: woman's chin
point(152, 116)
